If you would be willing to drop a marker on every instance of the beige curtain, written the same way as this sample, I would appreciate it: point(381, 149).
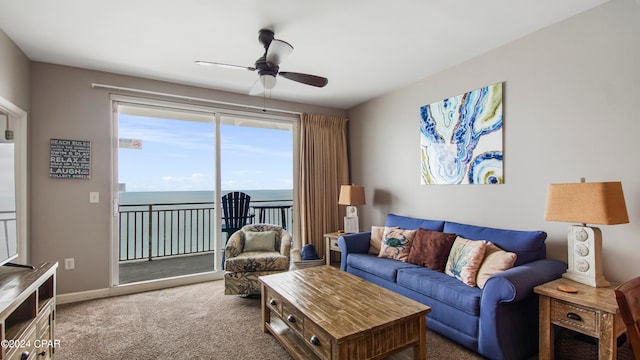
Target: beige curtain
point(324, 166)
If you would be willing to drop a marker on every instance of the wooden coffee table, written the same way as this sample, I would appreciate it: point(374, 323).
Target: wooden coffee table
point(324, 313)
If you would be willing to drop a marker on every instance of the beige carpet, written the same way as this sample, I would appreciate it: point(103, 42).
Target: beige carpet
point(187, 322)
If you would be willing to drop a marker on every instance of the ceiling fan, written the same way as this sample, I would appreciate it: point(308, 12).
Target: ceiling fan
point(268, 65)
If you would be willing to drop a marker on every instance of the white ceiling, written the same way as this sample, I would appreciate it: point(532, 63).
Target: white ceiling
point(364, 47)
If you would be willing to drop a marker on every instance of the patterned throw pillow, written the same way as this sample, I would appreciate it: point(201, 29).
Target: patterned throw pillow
point(495, 260)
point(465, 259)
point(396, 243)
point(431, 249)
point(376, 239)
point(259, 241)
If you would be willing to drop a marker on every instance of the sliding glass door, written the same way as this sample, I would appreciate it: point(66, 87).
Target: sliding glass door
point(173, 164)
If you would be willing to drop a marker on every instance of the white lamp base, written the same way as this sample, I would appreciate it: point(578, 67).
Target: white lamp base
point(585, 256)
point(351, 224)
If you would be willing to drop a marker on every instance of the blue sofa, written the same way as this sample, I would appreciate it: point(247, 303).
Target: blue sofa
point(499, 321)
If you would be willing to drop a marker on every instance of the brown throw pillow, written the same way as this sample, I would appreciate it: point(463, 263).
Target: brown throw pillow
point(431, 249)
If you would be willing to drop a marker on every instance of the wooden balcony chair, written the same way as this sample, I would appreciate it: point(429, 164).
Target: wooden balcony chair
point(628, 298)
point(235, 207)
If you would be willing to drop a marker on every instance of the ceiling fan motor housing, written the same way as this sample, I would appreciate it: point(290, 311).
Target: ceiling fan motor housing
point(265, 37)
point(264, 68)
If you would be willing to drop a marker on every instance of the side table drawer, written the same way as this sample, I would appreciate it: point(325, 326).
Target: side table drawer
point(333, 245)
point(581, 319)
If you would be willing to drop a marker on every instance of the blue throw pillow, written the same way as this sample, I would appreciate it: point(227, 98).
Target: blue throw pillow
point(309, 252)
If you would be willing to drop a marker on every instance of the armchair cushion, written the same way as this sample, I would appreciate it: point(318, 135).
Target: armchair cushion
point(259, 241)
point(257, 261)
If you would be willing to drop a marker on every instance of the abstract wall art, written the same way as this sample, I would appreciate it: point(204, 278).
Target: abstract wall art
point(461, 138)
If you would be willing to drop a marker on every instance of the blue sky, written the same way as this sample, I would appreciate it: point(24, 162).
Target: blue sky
point(179, 155)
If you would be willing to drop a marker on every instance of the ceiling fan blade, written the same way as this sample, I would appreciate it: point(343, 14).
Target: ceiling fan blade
point(278, 50)
point(313, 80)
point(223, 65)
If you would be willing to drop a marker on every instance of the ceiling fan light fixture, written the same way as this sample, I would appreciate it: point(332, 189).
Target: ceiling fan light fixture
point(268, 81)
point(278, 51)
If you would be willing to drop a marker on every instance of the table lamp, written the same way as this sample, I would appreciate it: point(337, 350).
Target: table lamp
point(351, 195)
point(586, 203)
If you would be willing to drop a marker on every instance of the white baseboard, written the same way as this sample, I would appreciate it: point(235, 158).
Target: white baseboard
point(137, 287)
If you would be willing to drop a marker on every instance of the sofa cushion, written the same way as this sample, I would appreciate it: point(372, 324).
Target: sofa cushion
point(257, 261)
point(527, 245)
point(396, 243)
point(431, 249)
point(405, 222)
point(384, 268)
point(495, 260)
point(465, 259)
point(441, 287)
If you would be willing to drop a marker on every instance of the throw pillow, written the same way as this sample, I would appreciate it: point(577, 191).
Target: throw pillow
point(465, 259)
point(396, 243)
point(309, 252)
point(259, 241)
point(495, 260)
point(376, 239)
point(431, 249)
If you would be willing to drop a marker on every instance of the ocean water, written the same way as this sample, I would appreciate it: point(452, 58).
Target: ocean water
point(174, 197)
point(176, 227)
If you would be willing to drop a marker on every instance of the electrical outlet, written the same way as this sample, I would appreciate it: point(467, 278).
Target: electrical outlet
point(69, 264)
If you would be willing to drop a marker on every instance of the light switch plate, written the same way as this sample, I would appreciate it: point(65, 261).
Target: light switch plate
point(94, 197)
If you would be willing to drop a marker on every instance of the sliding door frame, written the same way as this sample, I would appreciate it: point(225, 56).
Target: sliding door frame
point(217, 113)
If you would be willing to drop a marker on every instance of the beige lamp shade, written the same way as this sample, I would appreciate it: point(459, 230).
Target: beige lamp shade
point(351, 195)
point(587, 203)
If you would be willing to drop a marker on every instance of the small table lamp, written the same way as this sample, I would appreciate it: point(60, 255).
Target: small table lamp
point(593, 203)
point(351, 195)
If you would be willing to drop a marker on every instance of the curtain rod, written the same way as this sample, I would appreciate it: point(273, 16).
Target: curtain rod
point(189, 98)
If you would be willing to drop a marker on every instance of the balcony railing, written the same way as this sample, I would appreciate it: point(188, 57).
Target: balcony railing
point(149, 231)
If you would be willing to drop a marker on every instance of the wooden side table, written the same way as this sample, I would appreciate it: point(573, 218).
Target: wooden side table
point(591, 311)
point(331, 244)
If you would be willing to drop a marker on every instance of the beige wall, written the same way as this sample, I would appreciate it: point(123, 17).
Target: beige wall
point(63, 222)
point(14, 73)
point(570, 111)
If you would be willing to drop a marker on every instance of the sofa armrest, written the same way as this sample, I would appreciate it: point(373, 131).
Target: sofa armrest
point(235, 244)
point(509, 309)
point(517, 283)
point(357, 243)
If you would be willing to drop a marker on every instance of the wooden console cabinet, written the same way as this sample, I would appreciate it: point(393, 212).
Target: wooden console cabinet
point(27, 313)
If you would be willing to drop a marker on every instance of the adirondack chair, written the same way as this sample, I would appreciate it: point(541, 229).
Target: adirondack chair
point(235, 206)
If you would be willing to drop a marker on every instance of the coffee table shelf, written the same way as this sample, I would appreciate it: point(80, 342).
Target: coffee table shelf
point(290, 340)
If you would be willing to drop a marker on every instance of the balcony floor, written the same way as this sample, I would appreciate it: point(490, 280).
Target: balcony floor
point(160, 268)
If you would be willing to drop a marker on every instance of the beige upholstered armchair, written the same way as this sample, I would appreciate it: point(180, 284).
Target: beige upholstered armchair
point(255, 250)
